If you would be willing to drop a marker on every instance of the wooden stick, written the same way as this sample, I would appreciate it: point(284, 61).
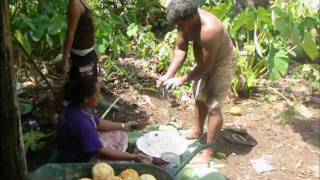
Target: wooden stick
point(34, 64)
point(109, 108)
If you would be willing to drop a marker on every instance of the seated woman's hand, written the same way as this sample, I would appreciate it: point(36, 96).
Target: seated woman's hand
point(128, 126)
point(144, 159)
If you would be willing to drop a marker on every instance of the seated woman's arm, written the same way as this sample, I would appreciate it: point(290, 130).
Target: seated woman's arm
point(111, 154)
point(106, 125)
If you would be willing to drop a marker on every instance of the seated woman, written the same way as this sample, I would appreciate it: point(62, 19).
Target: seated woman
point(83, 136)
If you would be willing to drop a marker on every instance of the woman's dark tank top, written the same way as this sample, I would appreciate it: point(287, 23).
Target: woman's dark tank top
point(84, 37)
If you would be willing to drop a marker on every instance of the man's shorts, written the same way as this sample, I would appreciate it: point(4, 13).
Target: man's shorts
point(213, 88)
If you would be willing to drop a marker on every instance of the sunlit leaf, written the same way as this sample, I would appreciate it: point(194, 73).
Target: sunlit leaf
point(277, 64)
point(309, 46)
point(256, 41)
point(24, 41)
point(264, 16)
point(221, 10)
point(132, 30)
point(246, 19)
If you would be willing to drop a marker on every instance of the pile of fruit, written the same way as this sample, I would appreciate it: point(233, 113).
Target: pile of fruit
point(103, 171)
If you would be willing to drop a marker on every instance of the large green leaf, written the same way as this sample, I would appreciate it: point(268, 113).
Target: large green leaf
point(246, 18)
point(277, 64)
point(309, 46)
point(37, 34)
point(288, 29)
point(56, 25)
point(221, 10)
point(264, 16)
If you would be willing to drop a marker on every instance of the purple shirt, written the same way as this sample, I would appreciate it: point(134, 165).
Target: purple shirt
point(77, 135)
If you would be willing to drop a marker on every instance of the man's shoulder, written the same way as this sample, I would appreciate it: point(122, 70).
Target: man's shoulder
point(210, 33)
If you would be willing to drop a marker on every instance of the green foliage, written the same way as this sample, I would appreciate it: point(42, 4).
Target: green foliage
point(310, 72)
point(277, 64)
point(266, 38)
point(165, 51)
point(35, 140)
point(143, 41)
point(40, 26)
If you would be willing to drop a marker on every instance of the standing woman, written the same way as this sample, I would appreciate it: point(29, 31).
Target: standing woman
point(80, 42)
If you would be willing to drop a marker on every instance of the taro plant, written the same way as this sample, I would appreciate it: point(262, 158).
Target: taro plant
point(35, 140)
point(39, 26)
point(266, 39)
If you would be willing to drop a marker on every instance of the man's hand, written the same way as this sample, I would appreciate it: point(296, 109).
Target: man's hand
point(161, 80)
point(129, 125)
point(173, 84)
point(62, 66)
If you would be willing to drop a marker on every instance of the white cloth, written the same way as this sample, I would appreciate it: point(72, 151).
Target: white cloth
point(83, 52)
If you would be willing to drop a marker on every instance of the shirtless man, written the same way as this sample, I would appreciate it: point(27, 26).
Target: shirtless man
point(215, 59)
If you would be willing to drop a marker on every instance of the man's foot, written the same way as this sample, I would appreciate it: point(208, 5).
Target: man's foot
point(203, 158)
point(192, 135)
point(207, 155)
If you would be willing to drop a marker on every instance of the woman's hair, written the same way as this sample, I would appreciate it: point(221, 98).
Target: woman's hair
point(80, 88)
point(181, 10)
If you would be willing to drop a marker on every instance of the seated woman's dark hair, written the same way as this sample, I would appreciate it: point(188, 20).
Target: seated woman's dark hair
point(80, 88)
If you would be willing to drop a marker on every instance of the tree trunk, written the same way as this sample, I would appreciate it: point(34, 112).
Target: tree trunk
point(12, 159)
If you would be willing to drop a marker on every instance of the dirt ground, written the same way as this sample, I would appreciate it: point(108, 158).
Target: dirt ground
point(287, 140)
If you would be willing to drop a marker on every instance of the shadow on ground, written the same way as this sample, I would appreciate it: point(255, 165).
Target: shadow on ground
point(309, 129)
point(229, 148)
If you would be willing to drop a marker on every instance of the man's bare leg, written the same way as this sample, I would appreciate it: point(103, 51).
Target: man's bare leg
point(215, 121)
point(201, 112)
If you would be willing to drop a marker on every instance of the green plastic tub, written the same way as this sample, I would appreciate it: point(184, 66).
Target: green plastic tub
point(71, 171)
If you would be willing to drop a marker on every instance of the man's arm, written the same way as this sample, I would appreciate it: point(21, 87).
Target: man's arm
point(209, 46)
point(179, 56)
point(178, 59)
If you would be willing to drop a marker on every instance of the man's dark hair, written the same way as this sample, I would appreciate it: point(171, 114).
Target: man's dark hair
point(181, 10)
point(77, 90)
